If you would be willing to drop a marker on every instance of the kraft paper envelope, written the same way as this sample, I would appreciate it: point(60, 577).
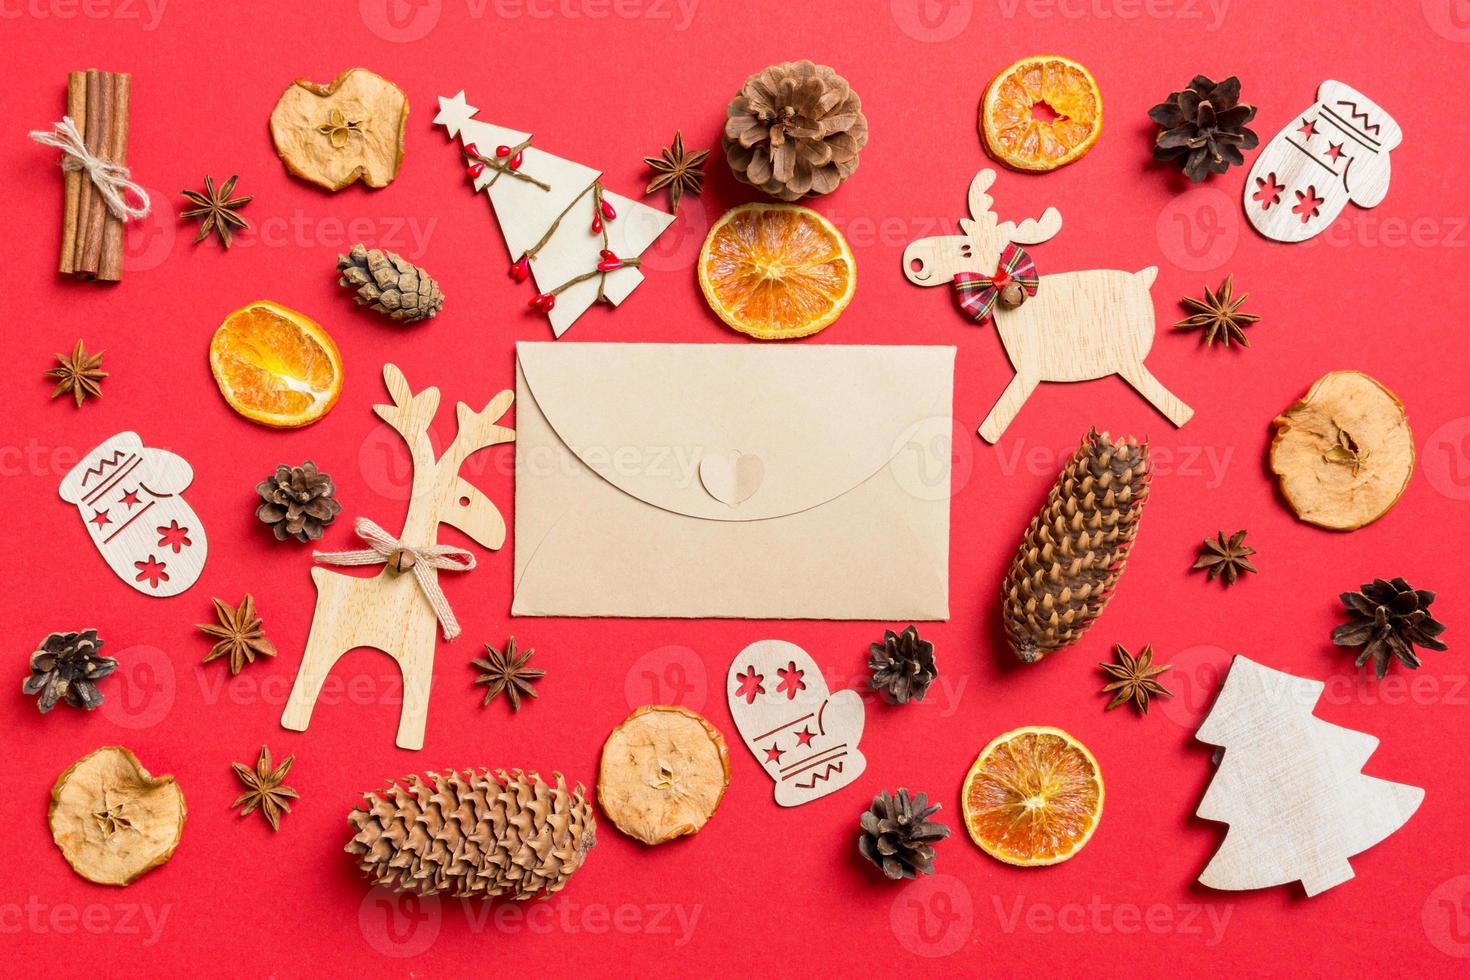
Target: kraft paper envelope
point(733, 480)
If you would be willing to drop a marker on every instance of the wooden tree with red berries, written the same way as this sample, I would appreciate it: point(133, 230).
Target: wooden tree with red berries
point(578, 241)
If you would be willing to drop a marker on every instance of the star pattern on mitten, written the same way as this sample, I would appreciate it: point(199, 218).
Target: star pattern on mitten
point(152, 571)
point(791, 681)
point(174, 537)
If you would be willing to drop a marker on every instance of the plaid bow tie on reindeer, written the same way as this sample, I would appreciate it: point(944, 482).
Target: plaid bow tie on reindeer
point(1015, 279)
point(1069, 326)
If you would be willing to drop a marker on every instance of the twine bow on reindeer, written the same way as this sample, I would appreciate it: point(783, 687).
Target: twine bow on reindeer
point(384, 549)
point(978, 294)
point(110, 178)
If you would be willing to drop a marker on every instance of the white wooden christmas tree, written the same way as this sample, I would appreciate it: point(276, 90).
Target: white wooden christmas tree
point(1291, 786)
point(579, 241)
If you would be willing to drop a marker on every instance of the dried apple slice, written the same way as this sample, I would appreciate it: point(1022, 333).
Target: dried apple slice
point(1344, 453)
point(112, 820)
point(332, 135)
point(664, 771)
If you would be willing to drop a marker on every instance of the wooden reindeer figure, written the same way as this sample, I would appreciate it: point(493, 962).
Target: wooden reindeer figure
point(396, 611)
point(1067, 326)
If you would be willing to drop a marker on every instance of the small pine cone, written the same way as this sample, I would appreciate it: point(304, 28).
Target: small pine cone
point(1387, 620)
point(897, 835)
point(902, 666)
point(1204, 127)
point(297, 501)
point(1073, 554)
point(389, 284)
point(794, 130)
point(475, 833)
point(68, 665)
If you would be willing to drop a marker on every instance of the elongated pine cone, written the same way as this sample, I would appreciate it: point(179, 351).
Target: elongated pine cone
point(475, 833)
point(389, 284)
point(1073, 554)
point(795, 129)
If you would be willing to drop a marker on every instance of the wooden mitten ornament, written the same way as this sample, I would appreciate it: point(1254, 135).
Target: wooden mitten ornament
point(579, 242)
point(1291, 786)
point(396, 611)
point(131, 501)
point(1334, 152)
point(1068, 326)
point(804, 737)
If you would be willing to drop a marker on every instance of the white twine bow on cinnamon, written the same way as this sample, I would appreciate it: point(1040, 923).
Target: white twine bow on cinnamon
point(383, 548)
point(111, 178)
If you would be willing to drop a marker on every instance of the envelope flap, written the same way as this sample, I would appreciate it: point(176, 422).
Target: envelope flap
point(820, 419)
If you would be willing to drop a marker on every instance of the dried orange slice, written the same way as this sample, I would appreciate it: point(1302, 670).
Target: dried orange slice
point(1041, 113)
point(275, 366)
point(1034, 796)
point(776, 271)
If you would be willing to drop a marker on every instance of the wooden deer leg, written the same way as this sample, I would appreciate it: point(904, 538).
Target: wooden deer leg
point(316, 663)
point(417, 664)
point(1160, 397)
point(1006, 407)
point(334, 631)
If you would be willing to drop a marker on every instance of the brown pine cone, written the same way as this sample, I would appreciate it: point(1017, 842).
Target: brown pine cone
point(898, 835)
point(297, 501)
point(902, 665)
point(389, 284)
point(1386, 620)
point(1204, 127)
point(68, 665)
point(475, 833)
point(795, 129)
point(1073, 554)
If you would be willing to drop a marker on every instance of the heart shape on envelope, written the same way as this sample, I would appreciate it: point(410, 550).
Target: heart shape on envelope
point(706, 480)
point(804, 737)
point(732, 478)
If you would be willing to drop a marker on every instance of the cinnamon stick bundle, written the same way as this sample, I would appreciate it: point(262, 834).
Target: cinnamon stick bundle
point(91, 235)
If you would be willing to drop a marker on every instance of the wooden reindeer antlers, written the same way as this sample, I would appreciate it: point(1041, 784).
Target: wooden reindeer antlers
point(983, 219)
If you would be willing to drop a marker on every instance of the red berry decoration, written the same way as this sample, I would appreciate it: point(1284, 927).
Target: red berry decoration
point(475, 169)
point(609, 263)
point(543, 302)
point(470, 150)
point(607, 210)
point(596, 224)
point(502, 150)
point(515, 162)
point(521, 269)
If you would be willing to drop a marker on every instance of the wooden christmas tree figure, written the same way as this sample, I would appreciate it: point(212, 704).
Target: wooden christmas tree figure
point(578, 241)
point(1291, 786)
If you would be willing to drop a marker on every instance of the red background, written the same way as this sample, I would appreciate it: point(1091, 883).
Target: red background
point(770, 890)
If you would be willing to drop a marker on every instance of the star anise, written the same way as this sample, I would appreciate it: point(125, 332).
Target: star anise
point(507, 672)
point(1135, 678)
point(1227, 559)
point(240, 633)
point(79, 373)
point(263, 788)
point(678, 170)
point(217, 209)
point(338, 128)
point(1219, 314)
